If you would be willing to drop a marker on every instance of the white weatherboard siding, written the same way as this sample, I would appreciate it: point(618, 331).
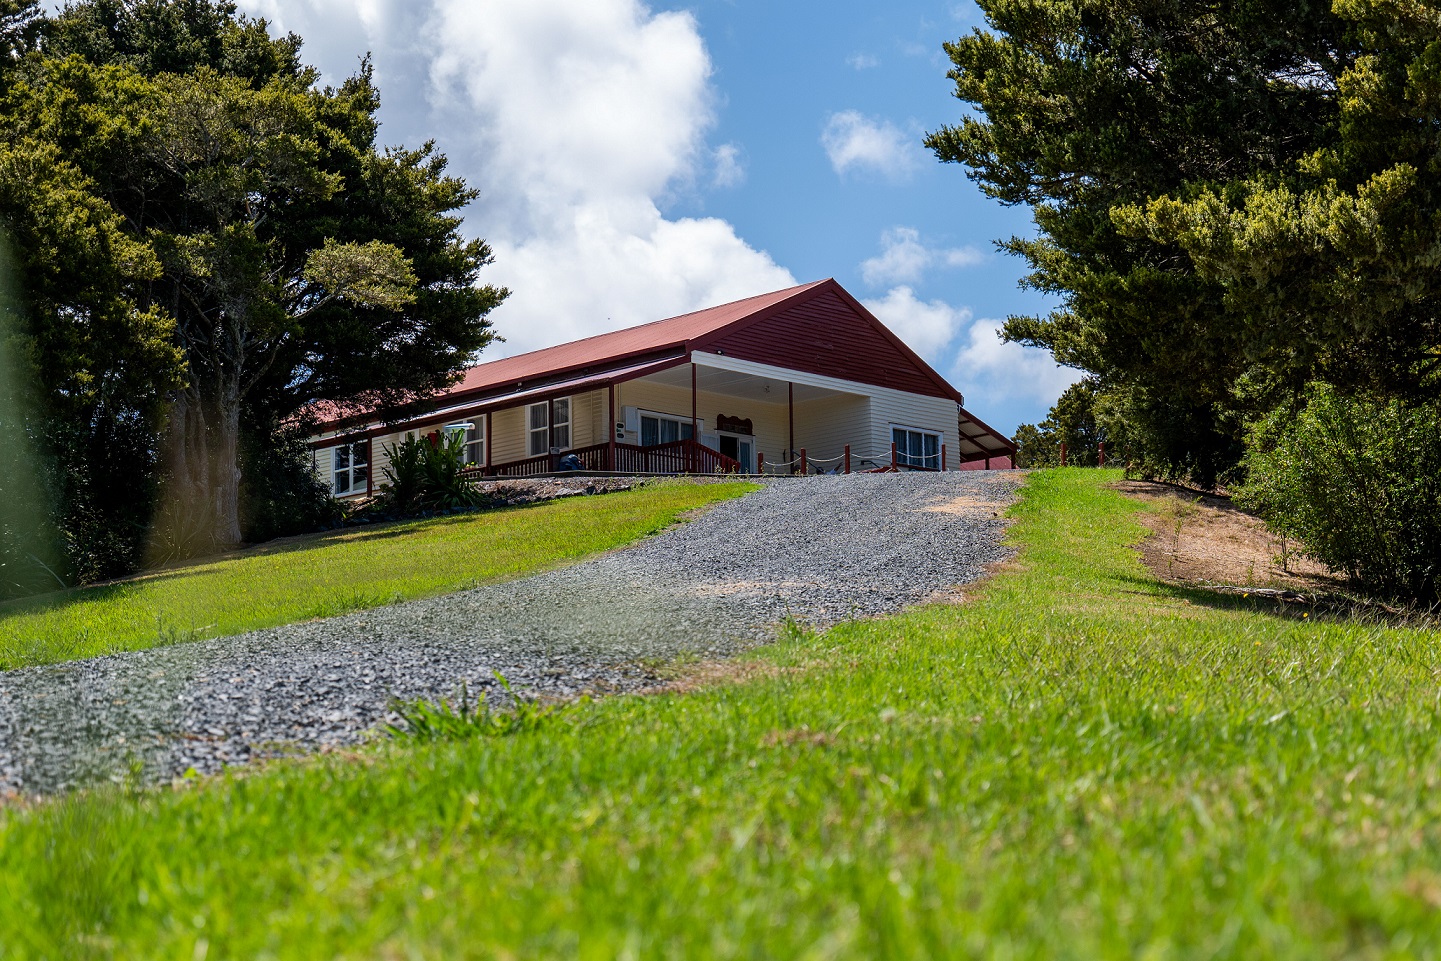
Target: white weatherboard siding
point(825, 426)
point(584, 415)
point(938, 415)
point(379, 458)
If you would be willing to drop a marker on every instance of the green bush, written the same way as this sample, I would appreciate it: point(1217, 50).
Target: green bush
point(280, 494)
point(1358, 484)
point(425, 476)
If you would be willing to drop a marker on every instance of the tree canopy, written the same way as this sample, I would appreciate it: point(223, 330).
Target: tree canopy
point(1084, 110)
point(210, 241)
point(1330, 258)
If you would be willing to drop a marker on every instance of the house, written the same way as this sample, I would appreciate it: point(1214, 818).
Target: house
point(799, 379)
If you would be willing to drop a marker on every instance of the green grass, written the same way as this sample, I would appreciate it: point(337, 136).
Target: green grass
point(350, 570)
point(1080, 763)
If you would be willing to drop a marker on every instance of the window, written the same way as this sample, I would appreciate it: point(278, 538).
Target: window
point(538, 426)
point(350, 468)
point(917, 448)
point(562, 423)
point(537, 419)
point(474, 441)
point(663, 429)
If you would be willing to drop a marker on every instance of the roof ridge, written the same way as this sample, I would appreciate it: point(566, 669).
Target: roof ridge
point(651, 323)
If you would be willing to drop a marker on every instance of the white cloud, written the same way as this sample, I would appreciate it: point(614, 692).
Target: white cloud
point(863, 61)
point(574, 100)
point(855, 142)
point(904, 259)
point(928, 328)
point(730, 168)
point(575, 119)
point(990, 373)
point(613, 265)
point(985, 366)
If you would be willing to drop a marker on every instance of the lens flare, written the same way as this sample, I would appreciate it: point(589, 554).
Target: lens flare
point(29, 555)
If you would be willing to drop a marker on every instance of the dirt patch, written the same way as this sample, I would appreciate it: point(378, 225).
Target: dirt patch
point(1206, 539)
point(965, 507)
point(697, 676)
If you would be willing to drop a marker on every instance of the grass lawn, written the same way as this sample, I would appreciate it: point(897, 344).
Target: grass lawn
point(349, 570)
point(1082, 762)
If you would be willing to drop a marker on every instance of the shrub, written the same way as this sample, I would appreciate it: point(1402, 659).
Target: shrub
point(280, 494)
point(424, 475)
point(104, 522)
point(1357, 483)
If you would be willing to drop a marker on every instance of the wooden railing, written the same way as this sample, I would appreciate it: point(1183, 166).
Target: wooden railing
point(530, 467)
point(677, 457)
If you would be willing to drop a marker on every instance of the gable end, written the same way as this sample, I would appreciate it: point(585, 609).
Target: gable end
point(829, 336)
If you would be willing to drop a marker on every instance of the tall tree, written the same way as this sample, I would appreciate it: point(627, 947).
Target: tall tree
point(29, 542)
point(104, 362)
point(1330, 259)
point(296, 261)
point(155, 37)
point(230, 159)
point(1085, 107)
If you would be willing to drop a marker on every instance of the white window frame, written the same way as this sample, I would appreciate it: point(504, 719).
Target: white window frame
point(539, 429)
point(683, 425)
point(474, 440)
point(353, 484)
point(913, 452)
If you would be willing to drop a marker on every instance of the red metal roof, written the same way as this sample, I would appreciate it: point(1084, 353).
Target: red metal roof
point(607, 349)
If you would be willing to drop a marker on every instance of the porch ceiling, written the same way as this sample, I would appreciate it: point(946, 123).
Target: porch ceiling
point(713, 380)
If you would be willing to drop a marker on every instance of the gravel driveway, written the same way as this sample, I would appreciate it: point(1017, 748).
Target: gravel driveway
point(820, 549)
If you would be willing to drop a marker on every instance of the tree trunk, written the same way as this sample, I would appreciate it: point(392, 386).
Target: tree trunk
point(179, 530)
point(201, 510)
point(225, 458)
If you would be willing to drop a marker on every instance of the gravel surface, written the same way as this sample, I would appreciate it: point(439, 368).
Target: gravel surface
point(819, 549)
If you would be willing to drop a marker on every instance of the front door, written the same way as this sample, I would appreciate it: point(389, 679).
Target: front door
point(740, 449)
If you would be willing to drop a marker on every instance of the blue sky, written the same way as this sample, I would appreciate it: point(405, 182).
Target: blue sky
point(638, 161)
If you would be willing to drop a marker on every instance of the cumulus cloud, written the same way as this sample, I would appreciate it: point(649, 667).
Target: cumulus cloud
point(857, 143)
point(863, 61)
point(574, 100)
point(575, 119)
point(1007, 372)
point(927, 327)
point(904, 259)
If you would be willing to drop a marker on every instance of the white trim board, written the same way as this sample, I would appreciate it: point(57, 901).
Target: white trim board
point(768, 372)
